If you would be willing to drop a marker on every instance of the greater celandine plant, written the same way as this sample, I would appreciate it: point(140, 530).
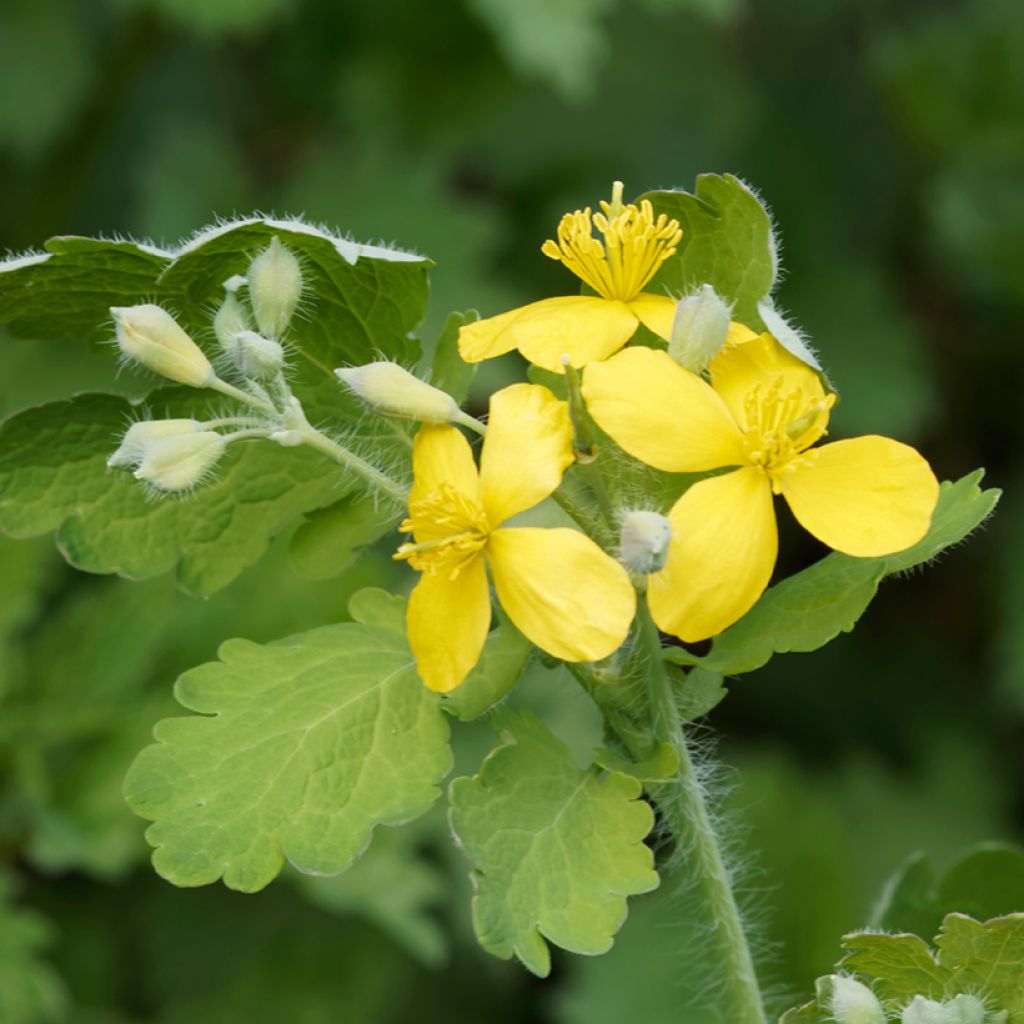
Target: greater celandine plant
point(610, 510)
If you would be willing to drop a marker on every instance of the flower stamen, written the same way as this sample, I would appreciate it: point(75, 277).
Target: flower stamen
point(450, 530)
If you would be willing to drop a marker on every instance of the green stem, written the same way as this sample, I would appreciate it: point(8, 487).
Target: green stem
point(361, 467)
point(239, 395)
point(686, 815)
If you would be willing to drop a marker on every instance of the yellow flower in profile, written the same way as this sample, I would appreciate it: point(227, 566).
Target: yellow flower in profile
point(556, 585)
point(589, 327)
point(762, 411)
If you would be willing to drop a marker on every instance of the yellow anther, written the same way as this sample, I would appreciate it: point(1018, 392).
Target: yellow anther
point(635, 245)
point(450, 530)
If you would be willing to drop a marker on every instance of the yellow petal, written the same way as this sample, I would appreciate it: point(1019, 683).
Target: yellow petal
point(584, 327)
point(485, 339)
point(562, 591)
point(867, 496)
point(447, 621)
point(441, 454)
point(660, 413)
point(527, 449)
point(655, 312)
point(739, 334)
point(739, 368)
point(720, 558)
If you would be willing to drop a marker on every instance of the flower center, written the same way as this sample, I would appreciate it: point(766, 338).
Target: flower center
point(450, 530)
point(635, 245)
point(780, 426)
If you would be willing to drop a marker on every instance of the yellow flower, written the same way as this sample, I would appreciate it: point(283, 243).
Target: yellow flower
point(763, 410)
point(589, 327)
point(559, 588)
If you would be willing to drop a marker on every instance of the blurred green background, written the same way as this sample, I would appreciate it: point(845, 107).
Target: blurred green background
point(889, 141)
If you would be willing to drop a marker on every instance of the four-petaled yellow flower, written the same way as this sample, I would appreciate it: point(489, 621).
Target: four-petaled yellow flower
point(763, 410)
point(559, 588)
point(589, 327)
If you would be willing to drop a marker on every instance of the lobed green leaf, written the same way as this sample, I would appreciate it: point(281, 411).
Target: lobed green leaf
point(309, 744)
point(556, 848)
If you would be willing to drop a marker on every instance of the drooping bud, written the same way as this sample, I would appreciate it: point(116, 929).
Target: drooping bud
point(849, 1001)
point(179, 463)
point(644, 541)
point(140, 434)
point(966, 1010)
point(231, 319)
point(925, 1011)
point(152, 337)
point(275, 285)
point(699, 329)
point(256, 357)
point(393, 390)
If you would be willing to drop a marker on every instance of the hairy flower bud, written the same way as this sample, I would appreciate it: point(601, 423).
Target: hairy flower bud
point(140, 434)
point(256, 357)
point(926, 1011)
point(643, 541)
point(231, 319)
point(966, 1010)
point(275, 285)
point(699, 329)
point(394, 391)
point(151, 336)
point(178, 463)
point(849, 1001)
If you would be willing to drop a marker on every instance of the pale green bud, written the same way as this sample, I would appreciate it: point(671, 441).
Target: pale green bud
point(275, 285)
point(966, 1010)
point(391, 389)
point(849, 1001)
point(256, 357)
point(644, 541)
point(231, 319)
point(140, 434)
point(151, 336)
point(179, 463)
point(926, 1011)
point(699, 329)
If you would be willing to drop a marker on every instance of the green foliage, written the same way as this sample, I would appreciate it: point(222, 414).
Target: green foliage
point(502, 662)
point(30, 991)
point(448, 370)
point(556, 849)
point(810, 608)
point(316, 740)
point(727, 242)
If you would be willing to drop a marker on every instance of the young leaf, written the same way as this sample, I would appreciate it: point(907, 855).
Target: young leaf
point(902, 966)
point(987, 959)
point(53, 476)
point(727, 243)
point(313, 742)
point(556, 849)
point(502, 662)
point(814, 606)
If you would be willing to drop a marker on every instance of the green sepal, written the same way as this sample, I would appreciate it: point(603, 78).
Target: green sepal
point(303, 748)
point(556, 849)
point(812, 607)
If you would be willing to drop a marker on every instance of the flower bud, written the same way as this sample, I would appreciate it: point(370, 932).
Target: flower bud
point(699, 329)
point(152, 337)
point(178, 463)
point(140, 434)
point(848, 1001)
point(275, 285)
point(256, 357)
point(391, 389)
point(231, 319)
point(966, 1010)
point(926, 1011)
point(644, 541)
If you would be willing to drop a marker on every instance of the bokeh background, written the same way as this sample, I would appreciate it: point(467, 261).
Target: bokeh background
point(887, 138)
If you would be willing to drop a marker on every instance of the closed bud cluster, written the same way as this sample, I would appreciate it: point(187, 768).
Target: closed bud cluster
point(849, 1001)
point(968, 1010)
point(150, 336)
point(143, 433)
point(699, 329)
point(275, 286)
point(256, 357)
point(926, 1011)
point(391, 389)
point(643, 541)
point(178, 463)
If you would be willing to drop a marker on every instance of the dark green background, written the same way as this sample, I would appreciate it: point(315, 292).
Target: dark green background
point(887, 138)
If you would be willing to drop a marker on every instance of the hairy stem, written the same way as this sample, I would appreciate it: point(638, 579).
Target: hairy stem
point(373, 476)
point(686, 815)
